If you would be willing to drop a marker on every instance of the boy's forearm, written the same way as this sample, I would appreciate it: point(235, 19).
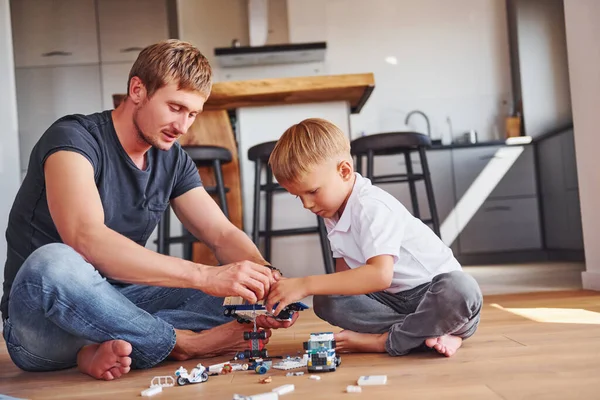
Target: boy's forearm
point(362, 280)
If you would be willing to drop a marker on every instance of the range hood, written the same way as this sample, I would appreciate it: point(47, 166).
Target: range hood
point(259, 53)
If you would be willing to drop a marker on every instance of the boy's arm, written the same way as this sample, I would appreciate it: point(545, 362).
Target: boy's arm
point(376, 275)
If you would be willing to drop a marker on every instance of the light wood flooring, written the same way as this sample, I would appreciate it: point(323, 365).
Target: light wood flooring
point(529, 346)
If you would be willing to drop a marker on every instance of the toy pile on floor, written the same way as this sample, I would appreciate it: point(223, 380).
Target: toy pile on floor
point(319, 356)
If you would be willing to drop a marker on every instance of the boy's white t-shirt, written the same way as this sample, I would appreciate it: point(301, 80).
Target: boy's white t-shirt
point(375, 223)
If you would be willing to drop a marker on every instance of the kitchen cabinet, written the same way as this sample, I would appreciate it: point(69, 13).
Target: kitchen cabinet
point(46, 94)
point(54, 32)
point(127, 26)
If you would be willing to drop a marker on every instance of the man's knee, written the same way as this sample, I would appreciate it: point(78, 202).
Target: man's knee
point(54, 264)
point(458, 288)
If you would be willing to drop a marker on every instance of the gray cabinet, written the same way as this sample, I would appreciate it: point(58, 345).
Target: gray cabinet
point(560, 193)
point(54, 32)
point(46, 94)
point(507, 171)
point(503, 225)
point(127, 26)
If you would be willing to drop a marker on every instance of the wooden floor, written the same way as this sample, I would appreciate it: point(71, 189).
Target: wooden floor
point(529, 346)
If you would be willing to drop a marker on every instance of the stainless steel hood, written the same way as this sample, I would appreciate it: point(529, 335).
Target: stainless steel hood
point(271, 54)
point(261, 53)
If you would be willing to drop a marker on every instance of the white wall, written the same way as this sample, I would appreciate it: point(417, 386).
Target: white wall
point(452, 59)
point(543, 65)
point(9, 145)
point(583, 33)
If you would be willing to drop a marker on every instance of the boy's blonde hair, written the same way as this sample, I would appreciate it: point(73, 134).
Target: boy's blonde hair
point(305, 145)
point(172, 61)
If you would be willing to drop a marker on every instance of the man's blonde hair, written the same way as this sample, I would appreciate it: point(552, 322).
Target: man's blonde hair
point(172, 61)
point(306, 145)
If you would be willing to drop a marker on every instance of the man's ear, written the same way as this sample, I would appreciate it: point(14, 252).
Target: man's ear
point(137, 90)
point(346, 170)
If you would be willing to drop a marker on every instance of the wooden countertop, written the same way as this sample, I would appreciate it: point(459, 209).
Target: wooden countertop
point(354, 88)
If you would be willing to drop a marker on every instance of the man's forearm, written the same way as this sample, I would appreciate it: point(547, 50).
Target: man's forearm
point(120, 258)
point(234, 246)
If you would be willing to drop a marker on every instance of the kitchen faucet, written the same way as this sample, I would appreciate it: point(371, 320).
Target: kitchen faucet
point(424, 116)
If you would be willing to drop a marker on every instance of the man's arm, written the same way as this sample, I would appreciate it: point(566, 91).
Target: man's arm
point(201, 215)
point(78, 215)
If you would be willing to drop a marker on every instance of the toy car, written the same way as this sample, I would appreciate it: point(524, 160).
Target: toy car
point(239, 308)
point(257, 344)
point(321, 352)
point(197, 375)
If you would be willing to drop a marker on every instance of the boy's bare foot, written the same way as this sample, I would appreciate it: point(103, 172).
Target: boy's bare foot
point(222, 339)
point(349, 341)
point(446, 345)
point(107, 361)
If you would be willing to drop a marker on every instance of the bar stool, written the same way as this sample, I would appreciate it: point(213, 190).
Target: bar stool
point(260, 154)
point(203, 156)
point(399, 143)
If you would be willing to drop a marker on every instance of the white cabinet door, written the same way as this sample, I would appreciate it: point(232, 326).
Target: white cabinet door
point(54, 32)
point(46, 94)
point(127, 26)
point(114, 81)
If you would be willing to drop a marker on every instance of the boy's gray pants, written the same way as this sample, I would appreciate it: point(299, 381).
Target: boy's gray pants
point(448, 305)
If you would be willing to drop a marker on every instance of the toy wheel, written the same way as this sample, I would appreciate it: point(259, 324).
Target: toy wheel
point(338, 361)
point(181, 381)
point(264, 354)
point(247, 354)
point(204, 376)
point(261, 369)
point(227, 312)
point(262, 335)
point(247, 335)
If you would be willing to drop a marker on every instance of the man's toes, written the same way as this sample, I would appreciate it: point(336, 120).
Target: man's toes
point(107, 376)
point(125, 361)
point(121, 348)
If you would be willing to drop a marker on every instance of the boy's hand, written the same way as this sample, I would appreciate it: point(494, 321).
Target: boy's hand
point(265, 322)
point(284, 292)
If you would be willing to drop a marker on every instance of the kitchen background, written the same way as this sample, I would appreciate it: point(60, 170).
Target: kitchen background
point(466, 64)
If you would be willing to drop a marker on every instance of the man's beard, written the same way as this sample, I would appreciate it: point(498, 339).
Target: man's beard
point(142, 136)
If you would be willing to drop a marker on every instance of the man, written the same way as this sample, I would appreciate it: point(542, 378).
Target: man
point(80, 287)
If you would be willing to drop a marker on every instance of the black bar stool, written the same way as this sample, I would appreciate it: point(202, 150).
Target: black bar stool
point(399, 143)
point(203, 156)
point(260, 154)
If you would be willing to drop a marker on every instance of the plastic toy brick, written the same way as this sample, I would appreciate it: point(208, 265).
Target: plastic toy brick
point(372, 380)
point(353, 389)
point(281, 390)
point(261, 396)
point(151, 391)
point(162, 381)
point(291, 363)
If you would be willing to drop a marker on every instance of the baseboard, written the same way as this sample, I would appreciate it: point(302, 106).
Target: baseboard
point(517, 257)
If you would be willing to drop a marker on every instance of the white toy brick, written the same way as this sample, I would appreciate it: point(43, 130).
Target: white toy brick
point(353, 389)
point(151, 391)
point(372, 380)
point(281, 390)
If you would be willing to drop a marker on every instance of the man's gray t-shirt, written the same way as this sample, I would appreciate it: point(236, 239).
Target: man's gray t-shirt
point(133, 199)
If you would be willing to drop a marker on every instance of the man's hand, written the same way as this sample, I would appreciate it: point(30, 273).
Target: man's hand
point(284, 292)
point(271, 323)
point(245, 278)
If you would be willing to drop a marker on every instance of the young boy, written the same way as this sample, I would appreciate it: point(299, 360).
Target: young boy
point(397, 286)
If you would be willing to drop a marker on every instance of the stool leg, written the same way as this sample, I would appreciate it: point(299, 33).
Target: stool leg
point(429, 189)
point(358, 166)
point(162, 237)
point(220, 186)
point(325, 248)
point(411, 184)
point(370, 164)
point(269, 216)
point(256, 214)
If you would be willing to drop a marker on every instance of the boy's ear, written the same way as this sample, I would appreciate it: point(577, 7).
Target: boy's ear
point(346, 170)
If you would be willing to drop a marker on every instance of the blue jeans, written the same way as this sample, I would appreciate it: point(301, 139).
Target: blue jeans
point(60, 303)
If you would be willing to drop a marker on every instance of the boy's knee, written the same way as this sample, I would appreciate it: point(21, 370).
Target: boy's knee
point(323, 306)
point(459, 287)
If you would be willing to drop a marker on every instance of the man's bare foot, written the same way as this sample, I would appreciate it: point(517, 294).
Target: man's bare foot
point(107, 361)
point(222, 339)
point(446, 345)
point(349, 341)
